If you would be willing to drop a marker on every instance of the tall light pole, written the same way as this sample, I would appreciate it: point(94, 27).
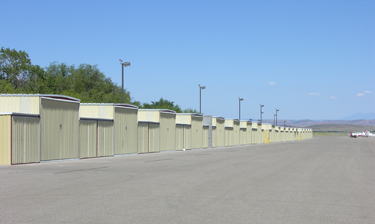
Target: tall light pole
point(239, 107)
point(276, 115)
point(200, 98)
point(274, 118)
point(284, 124)
point(261, 121)
point(123, 64)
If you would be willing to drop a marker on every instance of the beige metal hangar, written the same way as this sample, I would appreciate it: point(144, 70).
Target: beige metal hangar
point(218, 131)
point(197, 131)
point(290, 134)
point(59, 121)
point(272, 133)
point(249, 132)
point(19, 138)
point(183, 131)
point(295, 134)
point(189, 131)
point(282, 134)
point(254, 133)
point(207, 131)
point(243, 132)
point(148, 137)
point(277, 131)
point(286, 133)
point(205, 136)
point(96, 137)
point(232, 132)
point(125, 116)
point(153, 123)
point(266, 132)
point(259, 133)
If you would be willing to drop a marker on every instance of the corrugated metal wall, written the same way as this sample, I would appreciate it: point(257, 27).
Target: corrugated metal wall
point(243, 136)
point(236, 132)
point(153, 137)
point(197, 132)
point(187, 136)
point(104, 111)
point(88, 138)
point(248, 134)
point(105, 138)
point(148, 137)
point(5, 139)
point(266, 136)
point(259, 134)
point(220, 133)
point(214, 137)
point(25, 140)
point(254, 136)
point(20, 104)
point(228, 136)
point(59, 129)
point(179, 136)
point(205, 137)
point(167, 132)
point(142, 137)
point(126, 131)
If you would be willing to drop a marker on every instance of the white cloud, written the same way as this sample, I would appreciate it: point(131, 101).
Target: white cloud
point(314, 94)
point(333, 97)
point(367, 91)
point(360, 94)
point(271, 83)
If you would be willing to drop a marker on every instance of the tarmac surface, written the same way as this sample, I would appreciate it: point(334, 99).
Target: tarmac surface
point(319, 180)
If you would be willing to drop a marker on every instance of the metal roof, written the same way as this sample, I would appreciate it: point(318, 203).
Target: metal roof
point(160, 110)
point(192, 114)
point(219, 118)
point(43, 95)
point(111, 104)
point(98, 104)
point(20, 114)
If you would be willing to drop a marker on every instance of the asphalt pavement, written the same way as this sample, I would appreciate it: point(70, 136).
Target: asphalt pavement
point(319, 180)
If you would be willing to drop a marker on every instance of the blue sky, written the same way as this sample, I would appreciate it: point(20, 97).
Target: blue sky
point(310, 59)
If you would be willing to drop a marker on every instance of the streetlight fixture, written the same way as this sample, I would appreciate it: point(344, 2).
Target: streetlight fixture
point(123, 64)
point(200, 98)
point(276, 115)
point(239, 108)
point(261, 121)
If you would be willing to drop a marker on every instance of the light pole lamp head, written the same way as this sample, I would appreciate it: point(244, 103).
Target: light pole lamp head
point(261, 105)
point(125, 64)
point(277, 110)
point(240, 99)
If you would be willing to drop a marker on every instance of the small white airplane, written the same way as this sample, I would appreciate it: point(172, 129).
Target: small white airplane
point(369, 134)
point(361, 134)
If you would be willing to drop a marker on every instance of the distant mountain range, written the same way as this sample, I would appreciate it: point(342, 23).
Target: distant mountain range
point(360, 116)
point(306, 123)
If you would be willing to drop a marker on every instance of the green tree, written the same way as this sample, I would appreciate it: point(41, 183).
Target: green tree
point(162, 104)
point(15, 67)
point(190, 110)
point(85, 82)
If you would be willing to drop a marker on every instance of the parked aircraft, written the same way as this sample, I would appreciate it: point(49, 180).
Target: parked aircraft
point(369, 134)
point(361, 134)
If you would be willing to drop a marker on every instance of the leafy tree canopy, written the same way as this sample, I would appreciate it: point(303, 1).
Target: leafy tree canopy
point(162, 104)
point(85, 82)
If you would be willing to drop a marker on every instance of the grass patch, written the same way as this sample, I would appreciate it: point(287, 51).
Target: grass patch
point(329, 134)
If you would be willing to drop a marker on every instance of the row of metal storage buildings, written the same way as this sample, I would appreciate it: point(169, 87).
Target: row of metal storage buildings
point(35, 128)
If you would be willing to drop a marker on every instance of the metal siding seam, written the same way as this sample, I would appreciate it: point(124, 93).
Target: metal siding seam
point(11, 140)
point(24, 140)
